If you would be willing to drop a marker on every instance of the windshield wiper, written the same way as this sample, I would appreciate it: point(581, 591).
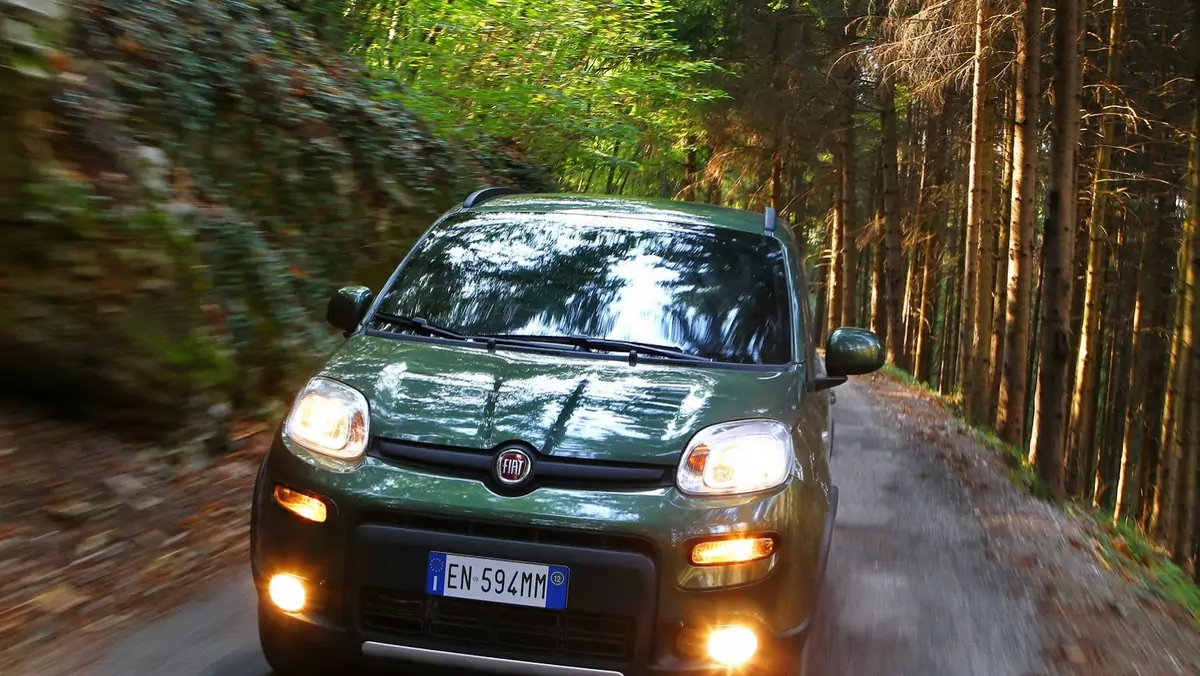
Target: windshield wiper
point(419, 325)
point(585, 342)
point(605, 345)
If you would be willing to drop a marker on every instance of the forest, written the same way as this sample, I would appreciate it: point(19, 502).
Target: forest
point(1006, 191)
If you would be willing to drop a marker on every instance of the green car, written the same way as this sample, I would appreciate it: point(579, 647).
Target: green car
point(573, 435)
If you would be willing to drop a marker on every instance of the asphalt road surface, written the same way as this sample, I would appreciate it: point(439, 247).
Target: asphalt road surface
point(910, 590)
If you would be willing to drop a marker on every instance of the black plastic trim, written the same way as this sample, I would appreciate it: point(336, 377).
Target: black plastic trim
point(485, 194)
point(823, 552)
point(395, 558)
point(548, 471)
point(512, 532)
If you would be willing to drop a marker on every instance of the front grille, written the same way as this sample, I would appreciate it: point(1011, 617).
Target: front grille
point(499, 627)
point(548, 471)
point(588, 539)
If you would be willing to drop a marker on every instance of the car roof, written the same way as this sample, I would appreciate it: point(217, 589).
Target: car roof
point(662, 210)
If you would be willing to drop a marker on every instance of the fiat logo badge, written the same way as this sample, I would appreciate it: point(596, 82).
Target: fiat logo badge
point(512, 466)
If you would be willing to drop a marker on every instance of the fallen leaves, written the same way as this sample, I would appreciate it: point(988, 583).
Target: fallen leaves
point(128, 45)
point(71, 510)
point(58, 60)
point(59, 599)
point(93, 543)
point(89, 541)
point(1074, 654)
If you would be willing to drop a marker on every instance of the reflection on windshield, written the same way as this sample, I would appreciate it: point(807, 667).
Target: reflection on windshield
point(720, 294)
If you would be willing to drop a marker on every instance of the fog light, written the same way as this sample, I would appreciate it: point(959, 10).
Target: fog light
point(732, 550)
point(287, 592)
point(732, 646)
point(304, 506)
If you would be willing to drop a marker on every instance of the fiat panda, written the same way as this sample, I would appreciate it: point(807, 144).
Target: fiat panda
point(570, 435)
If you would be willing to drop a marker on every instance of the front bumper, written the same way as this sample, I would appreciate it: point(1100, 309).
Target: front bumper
point(633, 590)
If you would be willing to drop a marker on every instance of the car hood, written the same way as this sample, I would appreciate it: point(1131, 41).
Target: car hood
point(443, 393)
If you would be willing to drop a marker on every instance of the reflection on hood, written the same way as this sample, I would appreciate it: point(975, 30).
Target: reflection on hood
point(562, 405)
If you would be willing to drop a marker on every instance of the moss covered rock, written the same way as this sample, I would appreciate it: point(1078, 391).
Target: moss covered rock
point(183, 185)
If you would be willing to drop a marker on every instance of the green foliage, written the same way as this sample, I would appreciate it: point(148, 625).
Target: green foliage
point(586, 88)
point(1125, 547)
point(904, 377)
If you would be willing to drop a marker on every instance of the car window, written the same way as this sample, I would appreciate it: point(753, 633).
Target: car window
point(712, 292)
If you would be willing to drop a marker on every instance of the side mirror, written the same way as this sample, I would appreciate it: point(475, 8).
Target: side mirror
point(348, 306)
point(850, 351)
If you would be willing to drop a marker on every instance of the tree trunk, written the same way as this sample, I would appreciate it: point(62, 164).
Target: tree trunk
point(951, 359)
point(1000, 276)
point(612, 170)
point(777, 173)
point(1034, 350)
point(865, 270)
point(935, 217)
point(689, 170)
point(1058, 248)
point(1193, 420)
point(1184, 491)
point(822, 299)
point(837, 240)
point(1121, 306)
point(850, 228)
point(879, 273)
point(894, 261)
point(1192, 407)
point(911, 293)
point(977, 303)
point(714, 180)
point(1162, 523)
point(919, 184)
point(929, 294)
point(1139, 443)
point(1188, 428)
point(1081, 439)
point(1161, 312)
point(1014, 383)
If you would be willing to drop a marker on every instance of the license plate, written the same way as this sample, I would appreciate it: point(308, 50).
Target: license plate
point(512, 582)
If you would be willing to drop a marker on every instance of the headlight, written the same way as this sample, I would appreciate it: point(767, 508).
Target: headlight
point(329, 418)
point(736, 457)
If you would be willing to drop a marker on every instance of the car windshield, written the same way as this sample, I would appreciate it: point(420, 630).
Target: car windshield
point(715, 293)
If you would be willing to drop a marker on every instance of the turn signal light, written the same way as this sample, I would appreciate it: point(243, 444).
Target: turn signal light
point(733, 550)
point(300, 504)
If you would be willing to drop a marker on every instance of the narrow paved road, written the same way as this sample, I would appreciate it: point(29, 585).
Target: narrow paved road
point(910, 589)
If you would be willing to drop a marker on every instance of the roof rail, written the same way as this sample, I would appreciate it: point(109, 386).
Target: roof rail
point(769, 226)
point(480, 196)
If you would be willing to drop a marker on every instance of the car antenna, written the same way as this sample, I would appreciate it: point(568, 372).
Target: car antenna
point(770, 221)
